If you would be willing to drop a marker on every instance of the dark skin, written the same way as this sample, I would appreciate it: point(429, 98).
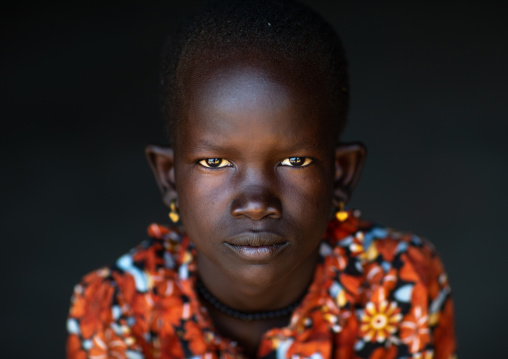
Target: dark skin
point(256, 173)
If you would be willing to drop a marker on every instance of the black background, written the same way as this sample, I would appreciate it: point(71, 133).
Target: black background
point(79, 103)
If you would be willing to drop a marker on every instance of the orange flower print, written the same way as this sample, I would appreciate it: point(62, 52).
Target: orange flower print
point(379, 320)
point(92, 305)
point(384, 353)
point(444, 333)
point(195, 337)
point(429, 354)
point(414, 330)
point(165, 314)
point(107, 345)
point(317, 348)
point(74, 350)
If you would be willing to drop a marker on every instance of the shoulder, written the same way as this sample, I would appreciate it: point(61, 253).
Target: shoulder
point(105, 295)
point(115, 309)
point(160, 252)
point(413, 258)
point(395, 247)
point(397, 286)
point(377, 264)
point(369, 245)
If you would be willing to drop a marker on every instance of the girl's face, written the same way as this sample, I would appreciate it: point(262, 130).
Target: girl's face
point(255, 169)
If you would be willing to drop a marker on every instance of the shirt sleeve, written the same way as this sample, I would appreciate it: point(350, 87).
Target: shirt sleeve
point(423, 293)
point(439, 316)
point(408, 309)
point(92, 325)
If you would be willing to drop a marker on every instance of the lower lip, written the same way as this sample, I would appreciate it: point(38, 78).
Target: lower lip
point(260, 253)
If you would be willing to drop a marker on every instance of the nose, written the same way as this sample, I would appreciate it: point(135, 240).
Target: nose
point(256, 205)
point(255, 197)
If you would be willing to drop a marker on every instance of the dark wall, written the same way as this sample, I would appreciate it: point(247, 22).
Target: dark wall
point(79, 103)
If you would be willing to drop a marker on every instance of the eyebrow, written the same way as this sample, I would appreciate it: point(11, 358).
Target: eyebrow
point(206, 145)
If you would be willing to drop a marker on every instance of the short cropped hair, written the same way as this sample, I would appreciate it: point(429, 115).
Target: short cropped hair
point(277, 28)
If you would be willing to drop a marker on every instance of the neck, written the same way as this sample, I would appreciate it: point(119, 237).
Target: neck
point(248, 336)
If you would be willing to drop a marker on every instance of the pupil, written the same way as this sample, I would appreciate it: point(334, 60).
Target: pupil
point(214, 162)
point(296, 161)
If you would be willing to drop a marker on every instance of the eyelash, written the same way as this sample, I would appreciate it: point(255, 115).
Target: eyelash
point(306, 161)
point(289, 162)
point(219, 161)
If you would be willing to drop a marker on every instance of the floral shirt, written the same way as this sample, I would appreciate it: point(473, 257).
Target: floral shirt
point(376, 293)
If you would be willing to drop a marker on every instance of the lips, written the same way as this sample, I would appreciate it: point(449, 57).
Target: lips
point(256, 239)
point(256, 246)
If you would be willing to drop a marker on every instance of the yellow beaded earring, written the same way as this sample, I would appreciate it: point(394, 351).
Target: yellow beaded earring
point(341, 214)
point(173, 211)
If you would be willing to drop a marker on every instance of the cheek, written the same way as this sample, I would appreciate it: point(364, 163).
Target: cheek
point(307, 194)
point(203, 200)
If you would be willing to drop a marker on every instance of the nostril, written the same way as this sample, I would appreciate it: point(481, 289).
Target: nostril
point(255, 208)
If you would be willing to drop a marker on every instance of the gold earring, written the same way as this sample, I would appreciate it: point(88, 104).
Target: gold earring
point(173, 211)
point(341, 214)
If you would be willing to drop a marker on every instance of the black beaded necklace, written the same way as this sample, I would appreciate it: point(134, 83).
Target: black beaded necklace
point(248, 316)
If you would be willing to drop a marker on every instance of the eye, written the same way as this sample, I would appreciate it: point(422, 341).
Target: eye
point(215, 163)
point(297, 161)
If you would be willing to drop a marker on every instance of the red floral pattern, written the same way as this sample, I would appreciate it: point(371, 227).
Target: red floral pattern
point(377, 293)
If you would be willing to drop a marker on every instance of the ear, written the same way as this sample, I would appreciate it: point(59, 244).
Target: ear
point(349, 160)
point(161, 160)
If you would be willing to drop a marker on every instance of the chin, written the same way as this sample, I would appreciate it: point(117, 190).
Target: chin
point(258, 277)
point(265, 274)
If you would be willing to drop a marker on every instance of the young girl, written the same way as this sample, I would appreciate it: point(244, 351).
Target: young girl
point(262, 260)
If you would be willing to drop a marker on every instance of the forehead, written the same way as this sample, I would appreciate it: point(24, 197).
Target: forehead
point(253, 86)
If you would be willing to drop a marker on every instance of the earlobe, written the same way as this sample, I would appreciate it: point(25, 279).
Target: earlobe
point(161, 161)
point(349, 160)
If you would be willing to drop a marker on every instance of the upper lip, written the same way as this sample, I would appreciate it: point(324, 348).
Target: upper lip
point(256, 239)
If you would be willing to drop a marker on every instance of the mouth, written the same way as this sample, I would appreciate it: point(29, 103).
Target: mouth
point(256, 246)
